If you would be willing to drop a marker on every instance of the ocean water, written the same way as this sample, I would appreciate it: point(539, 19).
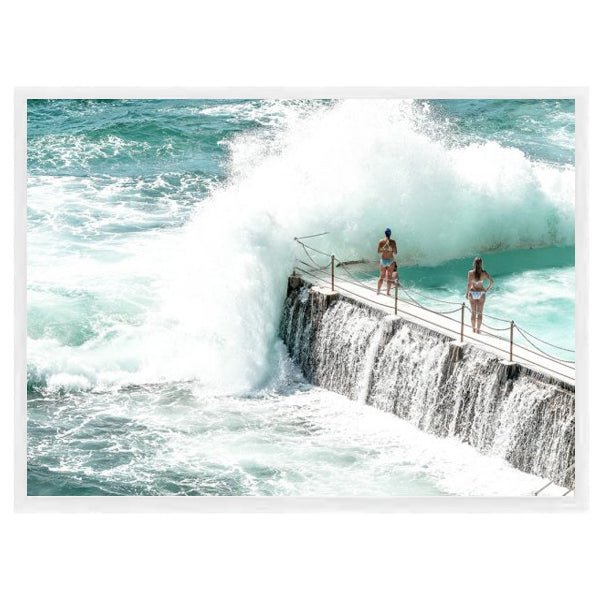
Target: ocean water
point(160, 237)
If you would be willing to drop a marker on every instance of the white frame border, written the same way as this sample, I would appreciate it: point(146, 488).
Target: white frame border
point(241, 504)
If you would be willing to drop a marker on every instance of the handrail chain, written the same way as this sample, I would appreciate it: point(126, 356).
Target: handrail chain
point(413, 302)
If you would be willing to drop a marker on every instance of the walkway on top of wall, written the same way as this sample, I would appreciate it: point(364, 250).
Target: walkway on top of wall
point(446, 324)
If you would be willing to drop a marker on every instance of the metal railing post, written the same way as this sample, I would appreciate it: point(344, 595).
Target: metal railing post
point(332, 272)
point(318, 275)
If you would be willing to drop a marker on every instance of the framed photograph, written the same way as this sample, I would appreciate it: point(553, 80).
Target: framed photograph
point(301, 299)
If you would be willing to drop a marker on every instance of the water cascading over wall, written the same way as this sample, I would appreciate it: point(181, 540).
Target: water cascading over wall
point(418, 374)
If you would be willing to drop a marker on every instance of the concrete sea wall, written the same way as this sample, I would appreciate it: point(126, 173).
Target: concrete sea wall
point(443, 387)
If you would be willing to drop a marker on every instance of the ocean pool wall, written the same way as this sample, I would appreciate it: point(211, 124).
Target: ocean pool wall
point(443, 387)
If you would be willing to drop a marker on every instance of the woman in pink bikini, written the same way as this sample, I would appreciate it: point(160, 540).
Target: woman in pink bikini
point(476, 292)
point(386, 248)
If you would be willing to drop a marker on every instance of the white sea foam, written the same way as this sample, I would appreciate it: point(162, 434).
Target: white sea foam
point(218, 283)
point(78, 151)
point(301, 443)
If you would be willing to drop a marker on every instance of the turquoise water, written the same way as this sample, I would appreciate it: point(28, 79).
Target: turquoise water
point(535, 288)
point(543, 129)
point(160, 236)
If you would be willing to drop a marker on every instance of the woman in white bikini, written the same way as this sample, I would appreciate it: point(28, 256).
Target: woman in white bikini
point(476, 292)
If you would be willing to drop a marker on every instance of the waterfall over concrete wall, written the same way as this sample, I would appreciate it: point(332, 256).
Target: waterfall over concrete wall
point(425, 377)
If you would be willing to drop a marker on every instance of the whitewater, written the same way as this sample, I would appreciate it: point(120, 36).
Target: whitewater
point(160, 239)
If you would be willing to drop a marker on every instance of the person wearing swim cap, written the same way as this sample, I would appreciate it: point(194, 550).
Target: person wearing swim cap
point(476, 292)
point(386, 248)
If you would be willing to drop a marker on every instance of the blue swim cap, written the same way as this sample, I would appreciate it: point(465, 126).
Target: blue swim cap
point(388, 232)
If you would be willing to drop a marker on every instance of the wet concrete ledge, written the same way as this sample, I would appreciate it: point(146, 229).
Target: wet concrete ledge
point(508, 370)
point(544, 442)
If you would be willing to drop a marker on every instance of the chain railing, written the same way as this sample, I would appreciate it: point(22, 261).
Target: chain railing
point(546, 485)
point(317, 271)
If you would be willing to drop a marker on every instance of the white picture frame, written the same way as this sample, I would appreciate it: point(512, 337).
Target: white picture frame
point(25, 503)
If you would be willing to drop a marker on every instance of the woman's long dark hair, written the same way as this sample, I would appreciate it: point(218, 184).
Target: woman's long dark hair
point(478, 267)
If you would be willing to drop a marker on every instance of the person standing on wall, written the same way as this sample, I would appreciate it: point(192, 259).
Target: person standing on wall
point(394, 268)
point(476, 292)
point(386, 248)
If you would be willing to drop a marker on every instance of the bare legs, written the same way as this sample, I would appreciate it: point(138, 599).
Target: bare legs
point(473, 313)
point(382, 274)
point(389, 279)
point(477, 313)
point(386, 272)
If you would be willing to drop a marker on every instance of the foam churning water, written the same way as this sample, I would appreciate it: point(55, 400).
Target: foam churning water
point(413, 373)
point(160, 238)
point(212, 290)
